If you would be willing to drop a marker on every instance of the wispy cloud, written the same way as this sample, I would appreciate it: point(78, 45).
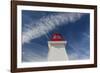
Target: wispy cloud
point(31, 54)
point(47, 24)
point(80, 49)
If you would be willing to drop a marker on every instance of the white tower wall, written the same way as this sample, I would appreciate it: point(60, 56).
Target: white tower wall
point(57, 51)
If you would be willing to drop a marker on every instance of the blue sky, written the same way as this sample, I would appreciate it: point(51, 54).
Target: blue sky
point(38, 27)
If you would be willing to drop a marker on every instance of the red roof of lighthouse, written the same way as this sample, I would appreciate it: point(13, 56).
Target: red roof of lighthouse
point(57, 37)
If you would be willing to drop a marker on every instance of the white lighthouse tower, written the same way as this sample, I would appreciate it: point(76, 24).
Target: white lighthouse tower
point(57, 50)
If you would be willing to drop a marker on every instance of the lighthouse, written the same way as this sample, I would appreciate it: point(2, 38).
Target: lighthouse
point(57, 50)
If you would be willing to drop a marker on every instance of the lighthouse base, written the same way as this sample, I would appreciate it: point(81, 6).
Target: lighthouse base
point(57, 52)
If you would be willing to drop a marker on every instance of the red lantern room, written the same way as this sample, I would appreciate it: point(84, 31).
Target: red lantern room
point(57, 37)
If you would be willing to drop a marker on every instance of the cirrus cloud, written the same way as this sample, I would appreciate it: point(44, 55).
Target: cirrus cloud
point(47, 24)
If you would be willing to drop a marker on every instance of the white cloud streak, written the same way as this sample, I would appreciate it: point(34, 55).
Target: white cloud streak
point(33, 54)
point(80, 49)
point(30, 57)
point(47, 24)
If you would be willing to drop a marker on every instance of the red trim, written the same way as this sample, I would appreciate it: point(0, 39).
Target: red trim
point(57, 37)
